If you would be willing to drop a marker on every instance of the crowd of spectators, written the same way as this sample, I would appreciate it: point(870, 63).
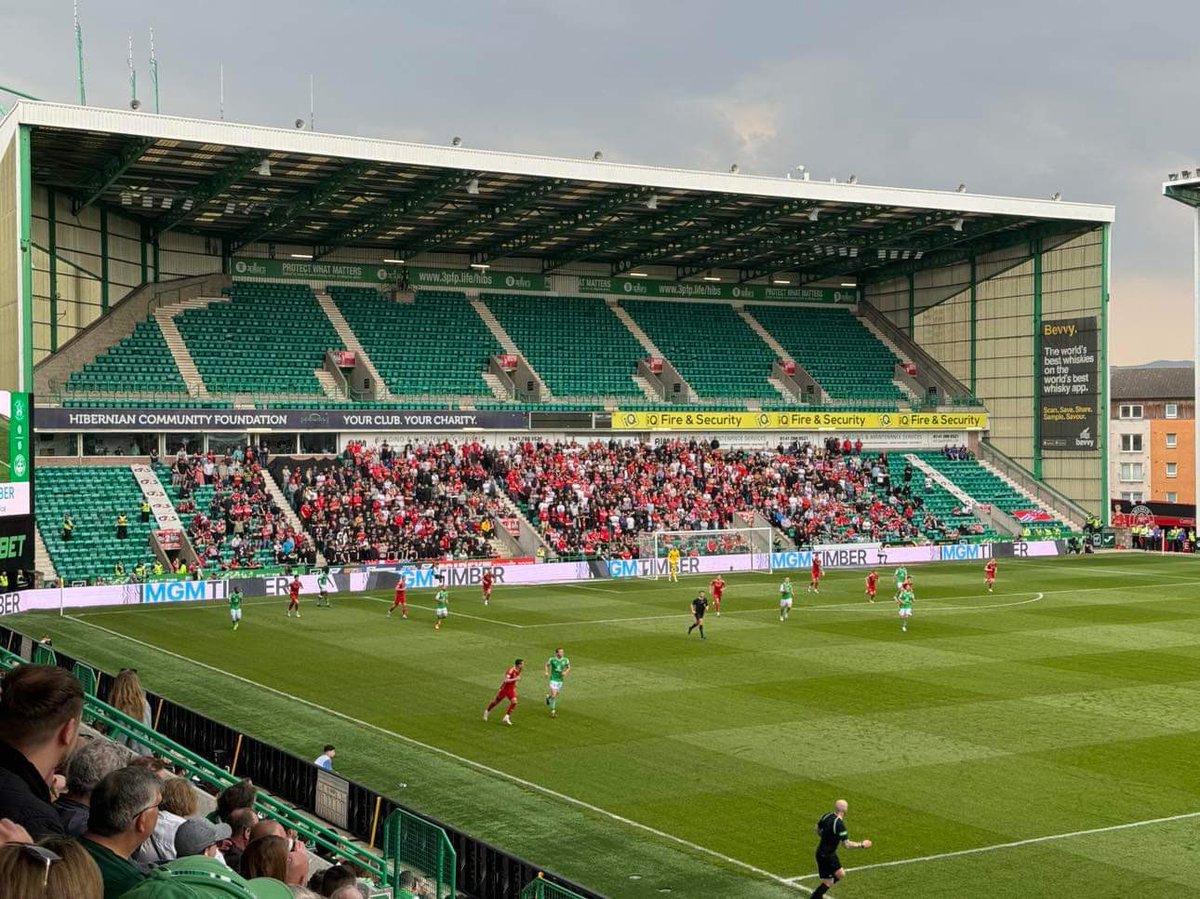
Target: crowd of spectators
point(597, 498)
point(238, 525)
point(957, 453)
point(377, 503)
point(81, 819)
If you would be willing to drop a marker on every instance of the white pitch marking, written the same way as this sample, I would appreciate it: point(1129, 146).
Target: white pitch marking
point(494, 772)
point(1014, 844)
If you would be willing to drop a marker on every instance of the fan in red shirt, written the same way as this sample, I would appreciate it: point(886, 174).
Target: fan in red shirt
point(294, 596)
point(872, 581)
point(815, 586)
point(989, 574)
point(718, 587)
point(401, 599)
point(508, 690)
point(486, 583)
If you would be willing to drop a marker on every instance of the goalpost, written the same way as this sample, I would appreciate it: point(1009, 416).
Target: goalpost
point(753, 544)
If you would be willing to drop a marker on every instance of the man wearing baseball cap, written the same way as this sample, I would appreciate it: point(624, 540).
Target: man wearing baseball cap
point(200, 877)
point(199, 836)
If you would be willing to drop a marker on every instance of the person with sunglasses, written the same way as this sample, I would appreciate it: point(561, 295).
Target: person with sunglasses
point(56, 868)
point(124, 813)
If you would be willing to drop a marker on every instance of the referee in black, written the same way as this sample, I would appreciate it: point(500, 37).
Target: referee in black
point(699, 607)
point(832, 831)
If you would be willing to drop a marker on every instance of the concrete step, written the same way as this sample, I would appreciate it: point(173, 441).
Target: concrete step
point(329, 384)
point(165, 318)
point(41, 557)
point(767, 337)
point(497, 386)
point(636, 330)
point(506, 342)
point(351, 342)
point(644, 386)
point(281, 500)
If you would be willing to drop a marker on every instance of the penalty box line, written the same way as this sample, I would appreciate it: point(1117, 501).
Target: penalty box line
point(466, 762)
point(979, 850)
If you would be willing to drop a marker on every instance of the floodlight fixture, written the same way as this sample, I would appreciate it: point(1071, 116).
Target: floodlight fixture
point(126, 198)
point(961, 189)
point(853, 179)
point(734, 169)
point(652, 201)
point(598, 155)
point(301, 255)
point(187, 204)
point(480, 266)
point(957, 224)
point(1056, 196)
point(229, 207)
point(1173, 176)
point(782, 282)
point(473, 186)
point(918, 254)
point(397, 261)
point(814, 214)
point(168, 202)
point(456, 141)
point(711, 278)
point(264, 168)
point(638, 275)
point(147, 201)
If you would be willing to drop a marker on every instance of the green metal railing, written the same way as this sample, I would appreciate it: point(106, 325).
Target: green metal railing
point(100, 714)
point(414, 844)
point(544, 889)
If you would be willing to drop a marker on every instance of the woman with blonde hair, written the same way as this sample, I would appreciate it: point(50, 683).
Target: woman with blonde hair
point(56, 868)
point(179, 802)
point(127, 696)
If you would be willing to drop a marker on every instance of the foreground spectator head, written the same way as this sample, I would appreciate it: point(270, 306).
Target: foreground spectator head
point(90, 763)
point(336, 877)
point(127, 694)
point(353, 891)
point(267, 827)
point(198, 877)
point(124, 813)
point(40, 710)
point(266, 857)
point(199, 836)
point(242, 822)
point(153, 764)
point(299, 892)
point(179, 798)
point(239, 795)
point(56, 868)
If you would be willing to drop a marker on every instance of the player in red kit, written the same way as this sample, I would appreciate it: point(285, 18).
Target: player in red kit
point(294, 596)
point(815, 585)
point(508, 690)
point(486, 583)
point(401, 599)
point(989, 574)
point(718, 587)
point(872, 582)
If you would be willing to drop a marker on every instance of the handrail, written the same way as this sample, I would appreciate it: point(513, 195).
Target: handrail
point(950, 384)
point(211, 774)
point(1028, 482)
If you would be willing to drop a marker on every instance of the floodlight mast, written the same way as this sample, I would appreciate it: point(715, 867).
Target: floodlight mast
point(1186, 190)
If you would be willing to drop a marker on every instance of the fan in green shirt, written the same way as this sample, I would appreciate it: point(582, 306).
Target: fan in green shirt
point(558, 666)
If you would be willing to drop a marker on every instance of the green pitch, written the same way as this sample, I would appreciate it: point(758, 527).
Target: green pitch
point(1061, 713)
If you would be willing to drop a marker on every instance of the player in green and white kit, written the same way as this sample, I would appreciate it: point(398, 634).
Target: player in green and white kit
point(905, 601)
point(324, 586)
point(442, 601)
point(558, 666)
point(901, 577)
point(235, 607)
point(785, 598)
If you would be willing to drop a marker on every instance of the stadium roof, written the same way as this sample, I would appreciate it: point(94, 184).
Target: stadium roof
point(1175, 382)
point(248, 184)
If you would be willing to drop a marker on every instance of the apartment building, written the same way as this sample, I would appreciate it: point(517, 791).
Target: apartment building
point(1152, 435)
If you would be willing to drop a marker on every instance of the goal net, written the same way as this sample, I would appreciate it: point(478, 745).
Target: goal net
point(749, 549)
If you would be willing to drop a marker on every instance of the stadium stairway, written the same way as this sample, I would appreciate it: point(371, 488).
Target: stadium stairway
point(289, 514)
point(351, 342)
point(769, 339)
point(898, 352)
point(651, 349)
point(165, 316)
point(41, 557)
point(999, 522)
point(506, 343)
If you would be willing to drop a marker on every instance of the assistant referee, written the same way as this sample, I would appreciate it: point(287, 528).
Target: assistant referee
point(832, 831)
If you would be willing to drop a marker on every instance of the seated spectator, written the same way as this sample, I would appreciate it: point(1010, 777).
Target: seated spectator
point(297, 856)
point(55, 868)
point(128, 697)
point(196, 876)
point(88, 765)
point(40, 712)
point(179, 802)
point(124, 812)
point(266, 857)
point(242, 794)
point(241, 824)
point(350, 891)
point(335, 877)
point(199, 836)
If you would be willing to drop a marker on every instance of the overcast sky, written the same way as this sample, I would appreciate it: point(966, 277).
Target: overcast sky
point(1095, 99)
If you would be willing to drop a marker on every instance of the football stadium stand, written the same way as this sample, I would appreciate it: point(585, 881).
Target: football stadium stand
point(836, 349)
point(268, 339)
point(577, 344)
point(711, 346)
point(141, 362)
point(985, 486)
point(94, 497)
point(434, 346)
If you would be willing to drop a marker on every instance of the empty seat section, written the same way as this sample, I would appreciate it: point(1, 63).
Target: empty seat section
point(835, 348)
point(141, 362)
point(714, 349)
point(577, 344)
point(94, 496)
point(435, 345)
point(267, 339)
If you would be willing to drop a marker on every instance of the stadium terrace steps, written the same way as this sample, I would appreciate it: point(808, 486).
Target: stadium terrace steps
point(346, 333)
point(576, 344)
point(897, 351)
point(508, 344)
point(41, 557)
point(329, 385)
point(140, 362)
point(267, 339)
point(710, 345)
point(165, 316)
point(280, 499)
point(836, 349)
point(950, 487)
point(647, 389)
point(94, 495)
point(499, 391)
point(435, 346)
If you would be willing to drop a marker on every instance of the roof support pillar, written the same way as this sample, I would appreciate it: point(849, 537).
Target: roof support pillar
point(1037, 358)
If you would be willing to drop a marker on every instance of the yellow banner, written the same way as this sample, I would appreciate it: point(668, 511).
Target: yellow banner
point(799, 421)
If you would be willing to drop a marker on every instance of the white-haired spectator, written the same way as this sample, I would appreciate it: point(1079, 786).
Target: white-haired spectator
point(90, 764)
